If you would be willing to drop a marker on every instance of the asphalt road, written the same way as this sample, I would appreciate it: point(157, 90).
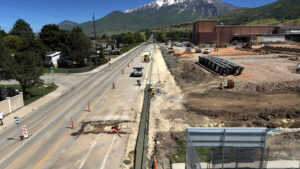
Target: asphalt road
point(51, 145)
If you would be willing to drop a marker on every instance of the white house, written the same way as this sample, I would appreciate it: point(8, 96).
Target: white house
point(54, 57)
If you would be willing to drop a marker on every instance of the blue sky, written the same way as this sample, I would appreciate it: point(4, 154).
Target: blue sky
point(40, 12)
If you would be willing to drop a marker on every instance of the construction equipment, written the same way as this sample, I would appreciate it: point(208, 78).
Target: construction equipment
point(221, 45)
point(137, 72)
point(146, 56)
point(247, 45)
point(115, 129)
point(220, 66)
point(138, 81)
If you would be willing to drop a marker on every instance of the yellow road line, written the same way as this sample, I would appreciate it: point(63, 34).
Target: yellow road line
point(60, 141)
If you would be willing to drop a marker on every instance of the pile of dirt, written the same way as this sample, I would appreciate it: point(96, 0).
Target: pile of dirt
point(185, 54)
point(281, 49)
point(271, 86)
point(190, 73)
point(284, 145)
point(245, 109)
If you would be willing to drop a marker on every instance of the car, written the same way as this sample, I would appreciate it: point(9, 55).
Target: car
point(206, 51)
point(198, 51)
point(188, 49)
point(137, 72)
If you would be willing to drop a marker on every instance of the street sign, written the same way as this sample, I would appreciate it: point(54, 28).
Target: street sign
point(17, 120)
point(25, 133)
point(51, 68)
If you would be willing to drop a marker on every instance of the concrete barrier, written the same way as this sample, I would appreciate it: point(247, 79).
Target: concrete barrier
point(12, 104)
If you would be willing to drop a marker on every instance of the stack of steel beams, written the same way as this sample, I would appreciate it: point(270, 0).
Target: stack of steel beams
point(221, 66)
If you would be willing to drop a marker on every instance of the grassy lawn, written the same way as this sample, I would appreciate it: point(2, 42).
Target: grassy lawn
point(179, 156)
point(70, 70)
point(129, 47)
point(111, 56)
point(35, 93)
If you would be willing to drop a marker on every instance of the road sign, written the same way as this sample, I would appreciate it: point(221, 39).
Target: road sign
point(17, 120)
point(51, 68)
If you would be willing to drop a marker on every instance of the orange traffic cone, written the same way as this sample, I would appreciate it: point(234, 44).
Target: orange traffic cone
point(89, 108)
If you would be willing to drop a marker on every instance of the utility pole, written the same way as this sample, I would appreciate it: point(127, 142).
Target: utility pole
point(124, 28)
point(95, 39)
point(95, 36)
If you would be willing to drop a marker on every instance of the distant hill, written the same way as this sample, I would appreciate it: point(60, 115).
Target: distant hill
point(157, 14)
point(276, 12)
point(67, 25)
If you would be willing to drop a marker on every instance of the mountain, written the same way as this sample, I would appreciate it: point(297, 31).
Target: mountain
point(276, 12)
point(67, 25)
point(156, 14)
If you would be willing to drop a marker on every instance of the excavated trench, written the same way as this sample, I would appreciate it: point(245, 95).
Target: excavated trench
point(96, 127)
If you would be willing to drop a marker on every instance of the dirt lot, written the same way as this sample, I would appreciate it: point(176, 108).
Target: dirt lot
point(266, 94)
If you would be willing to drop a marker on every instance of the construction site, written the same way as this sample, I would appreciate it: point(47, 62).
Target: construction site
point(260, 89)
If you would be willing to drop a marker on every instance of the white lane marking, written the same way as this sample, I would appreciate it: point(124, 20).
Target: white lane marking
point(90, 150)
point(114, 139)
point(108, 152)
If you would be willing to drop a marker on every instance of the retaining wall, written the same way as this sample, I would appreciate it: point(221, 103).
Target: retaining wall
point(12, 104)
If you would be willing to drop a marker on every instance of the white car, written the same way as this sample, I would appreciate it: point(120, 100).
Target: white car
point(206, 51)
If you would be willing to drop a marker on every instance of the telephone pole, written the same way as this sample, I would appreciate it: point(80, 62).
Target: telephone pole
point(95, 36)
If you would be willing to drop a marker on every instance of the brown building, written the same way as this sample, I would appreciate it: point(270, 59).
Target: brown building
point(207, 31)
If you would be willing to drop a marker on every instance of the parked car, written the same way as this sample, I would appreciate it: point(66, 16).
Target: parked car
point(206, 51)
point(198, 51)
point(188, 49)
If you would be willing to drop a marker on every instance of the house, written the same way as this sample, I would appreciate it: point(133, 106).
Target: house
point(53, 57)
point(102, 44)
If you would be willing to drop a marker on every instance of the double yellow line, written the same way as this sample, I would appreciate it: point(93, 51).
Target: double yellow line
point(61, 140)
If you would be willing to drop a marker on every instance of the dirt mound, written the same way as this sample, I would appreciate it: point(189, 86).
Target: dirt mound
point(271, 86)
point(284, 145)
point(281, 49)
point(189, 73)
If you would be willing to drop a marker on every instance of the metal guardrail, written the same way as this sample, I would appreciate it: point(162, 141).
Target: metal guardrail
point(141, 150)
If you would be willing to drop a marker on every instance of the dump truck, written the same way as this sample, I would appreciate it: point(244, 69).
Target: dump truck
point(137, 72)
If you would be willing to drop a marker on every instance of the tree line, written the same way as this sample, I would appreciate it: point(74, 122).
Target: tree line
point(22, 52)
point(173, 36)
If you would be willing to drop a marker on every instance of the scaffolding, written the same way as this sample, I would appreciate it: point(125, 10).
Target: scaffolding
point(220, 148)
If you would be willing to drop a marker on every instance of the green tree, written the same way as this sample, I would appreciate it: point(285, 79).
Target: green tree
point(161, 36)
point(78, 46)
point(14, 42)
point(5, 62)
point(53, 37)
point(2, 33)
point(23, 30)
point(26, 70)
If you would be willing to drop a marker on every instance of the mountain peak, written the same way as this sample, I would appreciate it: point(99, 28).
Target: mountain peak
point(162, 3)
point(67, 25)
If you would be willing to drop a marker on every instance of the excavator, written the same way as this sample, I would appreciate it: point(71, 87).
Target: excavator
point(247, 45)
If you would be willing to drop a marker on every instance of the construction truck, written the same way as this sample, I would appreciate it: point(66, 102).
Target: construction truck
point(247, 45)
point(137, 72)
point(146, 56)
